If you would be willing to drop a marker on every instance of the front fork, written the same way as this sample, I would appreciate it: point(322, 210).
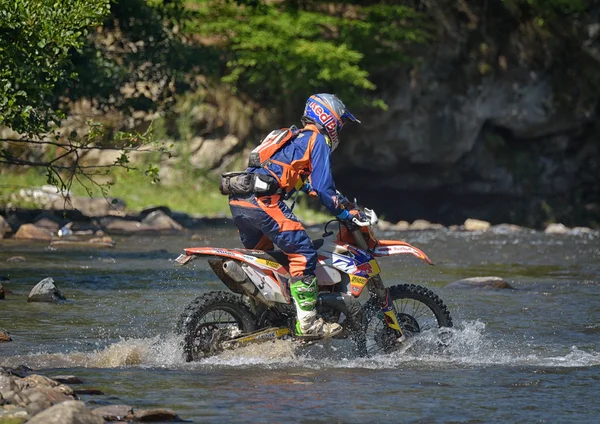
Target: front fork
point(382, 296)
point(381, 293)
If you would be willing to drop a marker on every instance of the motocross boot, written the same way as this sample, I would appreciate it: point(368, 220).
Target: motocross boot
point(304, 291)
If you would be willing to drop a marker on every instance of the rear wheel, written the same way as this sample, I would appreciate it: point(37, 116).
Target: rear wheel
point(209, 320)
point(418, 309)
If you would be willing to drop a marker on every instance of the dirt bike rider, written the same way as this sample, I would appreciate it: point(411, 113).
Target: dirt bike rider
point(287, 160)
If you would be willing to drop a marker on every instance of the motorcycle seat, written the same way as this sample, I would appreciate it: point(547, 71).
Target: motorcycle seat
point(280, 257)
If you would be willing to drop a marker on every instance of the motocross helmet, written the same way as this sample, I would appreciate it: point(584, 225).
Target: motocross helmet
point(329, 114)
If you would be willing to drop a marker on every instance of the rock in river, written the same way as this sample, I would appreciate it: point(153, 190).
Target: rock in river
point(45, 291)
point(32, 232)
point(4, 227)
point(5, 336)
point(480, 283)
point(472, 224)
point(69, 412)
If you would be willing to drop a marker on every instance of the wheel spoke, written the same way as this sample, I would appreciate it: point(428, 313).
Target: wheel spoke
point(417, 310)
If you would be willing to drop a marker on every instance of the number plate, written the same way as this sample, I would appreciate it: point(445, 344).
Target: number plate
point(184, 259)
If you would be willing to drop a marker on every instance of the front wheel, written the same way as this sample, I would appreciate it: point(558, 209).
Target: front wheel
point(211, 319)
point(418, 309)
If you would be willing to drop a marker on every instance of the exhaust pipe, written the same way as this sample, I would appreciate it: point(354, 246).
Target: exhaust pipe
point(234, 277)
point(234, 271)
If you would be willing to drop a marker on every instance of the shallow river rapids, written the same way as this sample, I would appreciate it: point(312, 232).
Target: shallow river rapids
point(531, 354)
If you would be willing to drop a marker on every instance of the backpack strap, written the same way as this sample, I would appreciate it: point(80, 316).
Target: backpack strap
point(271, 144)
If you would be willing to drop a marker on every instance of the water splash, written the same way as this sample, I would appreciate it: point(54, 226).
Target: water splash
point(467, 345)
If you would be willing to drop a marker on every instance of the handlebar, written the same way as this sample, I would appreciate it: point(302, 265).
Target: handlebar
point(356, 224)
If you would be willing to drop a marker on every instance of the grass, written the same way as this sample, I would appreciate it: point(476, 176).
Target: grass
point(197, 195)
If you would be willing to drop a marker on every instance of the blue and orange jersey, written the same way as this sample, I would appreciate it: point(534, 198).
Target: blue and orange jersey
point(303, 157)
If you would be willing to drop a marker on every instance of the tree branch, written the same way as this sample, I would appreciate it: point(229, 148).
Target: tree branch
point(72, 145)
point(22, 162)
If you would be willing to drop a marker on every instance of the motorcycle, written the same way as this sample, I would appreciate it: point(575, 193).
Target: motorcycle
point(258, 306)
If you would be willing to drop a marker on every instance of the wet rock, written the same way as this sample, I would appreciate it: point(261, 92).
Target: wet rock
point(67, 379)
point(33, 392)
point(160, 221)
point(422, 224)
point(5, 228)
point(37, 399)
point(506, 228)
point(556, 229)
point(16, 259)
point(21, 371)
point(5, 382)
point(5, 336)
point(69, 412)
point(93, 242)
point(154, 415)
point(8, 395)
point(104, 240)
point(114, 412)
point(480, 283)
point(80, 228)
point(38, 405)
point(35, 380)
point(580, 230)
point(388, 226)
point(476, 225)
point(2, 293)
point(48, 224)
point(118, 225)
point(32, 232)
point(43, 400)
point(45, 291)
point(384, 225)
point(401, 226)
point(147, 211)
point(419, 224)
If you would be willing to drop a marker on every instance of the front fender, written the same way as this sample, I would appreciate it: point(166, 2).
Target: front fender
point(397, 247)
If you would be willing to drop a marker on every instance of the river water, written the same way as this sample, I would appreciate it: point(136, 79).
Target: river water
point(531, 354)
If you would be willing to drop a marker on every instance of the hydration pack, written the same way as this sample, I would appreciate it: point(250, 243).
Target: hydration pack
point(245, 183)
point(276, 139)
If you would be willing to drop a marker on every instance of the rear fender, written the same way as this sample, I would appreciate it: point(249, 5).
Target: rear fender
point(267, 275)
point(397, 247)
point(265, 265)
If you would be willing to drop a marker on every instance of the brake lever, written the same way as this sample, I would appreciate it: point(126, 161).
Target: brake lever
point(360, 223)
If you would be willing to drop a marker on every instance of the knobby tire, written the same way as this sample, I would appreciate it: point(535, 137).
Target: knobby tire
point(191, 320)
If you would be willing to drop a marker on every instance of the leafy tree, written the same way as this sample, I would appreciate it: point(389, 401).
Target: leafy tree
point(280, 51)
point(38, 40)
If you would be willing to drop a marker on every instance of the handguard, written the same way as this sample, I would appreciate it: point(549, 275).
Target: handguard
point(364, 220)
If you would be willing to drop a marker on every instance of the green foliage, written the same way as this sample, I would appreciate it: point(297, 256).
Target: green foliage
point(137, 60)
point(283, 51)
point(36, 40)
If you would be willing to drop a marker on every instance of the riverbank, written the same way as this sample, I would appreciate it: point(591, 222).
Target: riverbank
point(91, 221)
point(28, 396)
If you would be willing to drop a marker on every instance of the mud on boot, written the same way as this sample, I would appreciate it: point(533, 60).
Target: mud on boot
point(304, 292)
point(318, 330)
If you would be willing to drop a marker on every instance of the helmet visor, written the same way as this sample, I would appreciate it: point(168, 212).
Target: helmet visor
point(347, 116)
